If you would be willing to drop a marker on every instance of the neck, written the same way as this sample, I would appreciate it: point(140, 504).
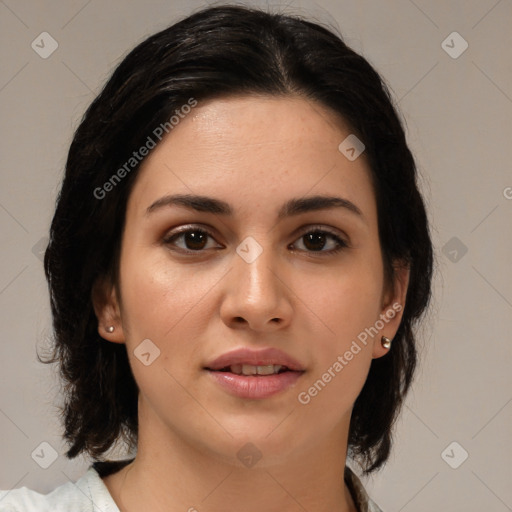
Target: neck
point(170, 474)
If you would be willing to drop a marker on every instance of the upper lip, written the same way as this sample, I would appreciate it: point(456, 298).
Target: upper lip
point(263, 357)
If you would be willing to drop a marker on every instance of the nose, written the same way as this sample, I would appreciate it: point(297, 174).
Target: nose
point(257, 294)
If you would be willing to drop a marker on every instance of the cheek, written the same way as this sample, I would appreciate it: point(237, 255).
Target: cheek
point(344, 303)
point(159, 305)
point(343, 350)
point(167, 304)
point(156, 294)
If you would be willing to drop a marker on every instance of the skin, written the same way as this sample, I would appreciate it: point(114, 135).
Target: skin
point(255, 153)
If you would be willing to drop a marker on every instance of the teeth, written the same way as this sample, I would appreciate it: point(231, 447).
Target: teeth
point(249, 369)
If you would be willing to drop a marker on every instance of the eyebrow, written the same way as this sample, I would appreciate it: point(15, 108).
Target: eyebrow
point(292, 207)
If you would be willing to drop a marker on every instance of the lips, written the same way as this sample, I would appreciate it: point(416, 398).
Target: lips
point(245, 357)
point(255, 374)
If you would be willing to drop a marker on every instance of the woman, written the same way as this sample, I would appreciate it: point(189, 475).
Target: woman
point(237, 259)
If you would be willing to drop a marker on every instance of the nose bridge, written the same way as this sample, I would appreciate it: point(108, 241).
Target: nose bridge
point(254, 266)
point(257, 294)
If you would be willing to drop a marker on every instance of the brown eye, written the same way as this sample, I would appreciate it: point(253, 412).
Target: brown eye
point(313, 241)
point(193, 239)
point(316, 241)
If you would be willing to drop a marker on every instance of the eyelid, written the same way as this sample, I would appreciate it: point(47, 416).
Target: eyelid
point(185, 229)
point(331, 231)
point(341, 239)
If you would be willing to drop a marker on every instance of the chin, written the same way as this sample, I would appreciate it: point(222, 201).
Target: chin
point(259, 443)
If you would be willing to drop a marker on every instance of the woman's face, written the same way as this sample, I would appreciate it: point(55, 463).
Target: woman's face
point(246, 267)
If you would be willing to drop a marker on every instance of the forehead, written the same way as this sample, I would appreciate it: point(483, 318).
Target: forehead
point(245, 121)
point(251, 151)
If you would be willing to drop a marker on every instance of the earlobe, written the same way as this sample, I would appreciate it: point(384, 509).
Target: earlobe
point(392, 310)
point(106, 308)
point(110, 333)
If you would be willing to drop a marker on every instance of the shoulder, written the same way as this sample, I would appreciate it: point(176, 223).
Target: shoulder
point(359, 494)
point(88, 494)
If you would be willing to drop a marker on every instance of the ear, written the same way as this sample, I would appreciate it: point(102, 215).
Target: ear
point(107, 310)
point(393, 304)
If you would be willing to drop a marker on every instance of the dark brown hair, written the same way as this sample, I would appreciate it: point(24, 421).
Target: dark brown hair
point(221, 51)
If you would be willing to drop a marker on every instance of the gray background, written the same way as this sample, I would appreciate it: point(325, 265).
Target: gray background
point(458, 114)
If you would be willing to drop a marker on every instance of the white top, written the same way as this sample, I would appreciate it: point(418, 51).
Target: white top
point(90, 494)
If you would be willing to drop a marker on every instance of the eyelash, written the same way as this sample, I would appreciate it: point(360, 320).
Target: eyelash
point(341, 244)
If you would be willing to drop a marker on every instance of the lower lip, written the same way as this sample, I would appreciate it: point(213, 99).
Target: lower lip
point(255, 386)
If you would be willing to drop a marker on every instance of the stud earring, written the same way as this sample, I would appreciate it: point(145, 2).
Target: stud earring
point(385, 342)
point(110, 328)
